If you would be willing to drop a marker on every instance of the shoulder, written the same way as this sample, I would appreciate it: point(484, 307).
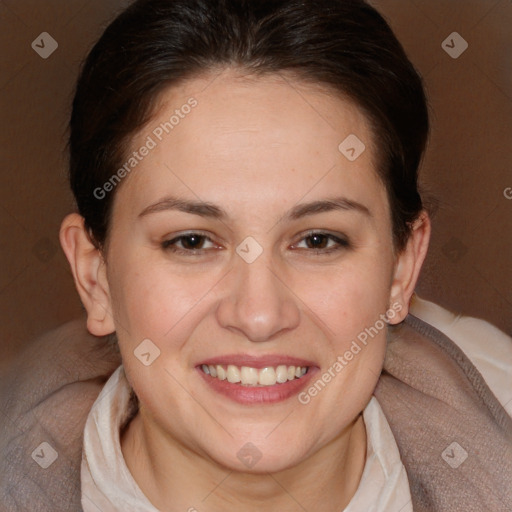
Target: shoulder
point(440, 405)
point(45, 396)
point(486, 346)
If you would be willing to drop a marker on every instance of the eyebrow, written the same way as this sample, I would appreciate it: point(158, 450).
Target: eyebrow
point(210, 210)
point(327, 205)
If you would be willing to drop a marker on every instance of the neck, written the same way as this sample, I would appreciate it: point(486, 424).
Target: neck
point(174, 478)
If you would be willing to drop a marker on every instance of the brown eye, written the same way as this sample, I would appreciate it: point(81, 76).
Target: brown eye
point(322, 242)
point(188, 243)
point(317, 241)
point(192, 241)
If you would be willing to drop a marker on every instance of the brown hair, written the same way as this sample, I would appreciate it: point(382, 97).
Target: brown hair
point(343, 44)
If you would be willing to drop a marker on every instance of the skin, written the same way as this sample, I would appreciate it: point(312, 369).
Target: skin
point(256, 148)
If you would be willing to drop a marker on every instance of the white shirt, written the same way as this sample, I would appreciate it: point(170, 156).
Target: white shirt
point(108, 486)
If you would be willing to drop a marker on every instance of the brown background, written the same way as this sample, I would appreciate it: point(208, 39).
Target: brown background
point(468, 165)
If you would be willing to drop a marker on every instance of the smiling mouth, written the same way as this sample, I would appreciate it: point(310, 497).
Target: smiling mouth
point(261, 377)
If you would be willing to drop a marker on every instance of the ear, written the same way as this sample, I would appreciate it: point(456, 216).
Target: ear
point(408, 265)
point(90, 274)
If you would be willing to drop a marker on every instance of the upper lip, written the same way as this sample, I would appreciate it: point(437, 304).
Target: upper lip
point(256, 361)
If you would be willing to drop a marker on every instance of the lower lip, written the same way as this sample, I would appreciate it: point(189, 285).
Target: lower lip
point(258, 394)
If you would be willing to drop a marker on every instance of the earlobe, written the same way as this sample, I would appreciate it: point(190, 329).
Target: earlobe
point(89, 272)
point(408, 265)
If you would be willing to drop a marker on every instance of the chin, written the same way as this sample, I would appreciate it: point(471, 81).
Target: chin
point(260, 458)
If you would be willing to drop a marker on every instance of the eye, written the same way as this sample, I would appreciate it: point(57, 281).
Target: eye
point(322, 242)
point(190, 243)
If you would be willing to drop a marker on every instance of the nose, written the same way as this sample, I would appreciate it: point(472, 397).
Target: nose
point(257, 303)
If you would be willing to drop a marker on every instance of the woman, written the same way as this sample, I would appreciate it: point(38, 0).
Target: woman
point(250, 228)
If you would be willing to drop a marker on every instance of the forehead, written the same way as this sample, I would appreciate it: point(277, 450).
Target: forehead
point(248, 136)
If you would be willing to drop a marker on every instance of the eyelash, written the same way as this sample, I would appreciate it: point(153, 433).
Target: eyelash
point(341, 243)
point(170, 245)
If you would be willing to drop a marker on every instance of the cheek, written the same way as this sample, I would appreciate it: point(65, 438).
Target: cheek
point(154, 304)
point(150, 300)
point(348, 298)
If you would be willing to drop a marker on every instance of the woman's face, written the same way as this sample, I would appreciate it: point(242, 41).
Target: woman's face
point(245, 237)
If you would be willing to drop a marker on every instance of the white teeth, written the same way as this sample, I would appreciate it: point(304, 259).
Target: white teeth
point(233, 374)
point(268, 376)
point(248, 376)
point(281, 373)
